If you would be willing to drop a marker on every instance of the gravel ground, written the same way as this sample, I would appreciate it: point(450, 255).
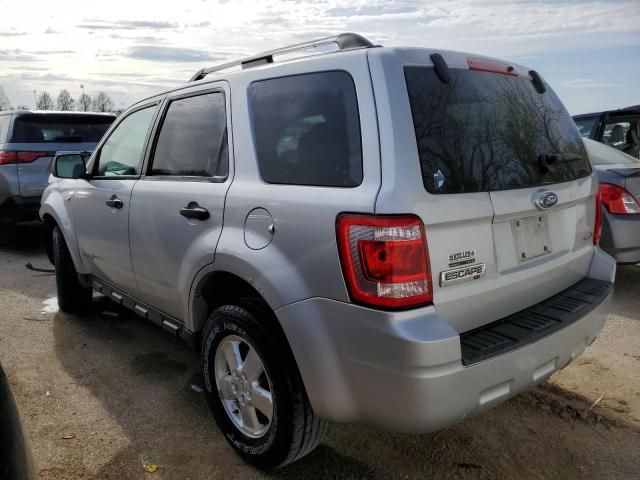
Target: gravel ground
point(102, 396)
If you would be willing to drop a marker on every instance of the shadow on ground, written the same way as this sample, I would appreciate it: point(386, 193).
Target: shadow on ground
point(143, 377)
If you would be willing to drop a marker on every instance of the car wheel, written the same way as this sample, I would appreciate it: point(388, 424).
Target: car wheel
point(72, 296)
point(254, 389)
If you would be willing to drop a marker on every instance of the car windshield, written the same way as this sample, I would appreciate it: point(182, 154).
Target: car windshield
point(485, 132)
point(58, 128)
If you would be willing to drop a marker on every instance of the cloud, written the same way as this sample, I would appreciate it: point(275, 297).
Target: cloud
point(127, 25)
point(588, 83)
point(17, 55)
point(11, 33)
point(171, 54)
point(370, 10)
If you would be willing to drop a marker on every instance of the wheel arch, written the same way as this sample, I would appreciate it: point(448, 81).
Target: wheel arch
point(221, 287)
point(52, 218)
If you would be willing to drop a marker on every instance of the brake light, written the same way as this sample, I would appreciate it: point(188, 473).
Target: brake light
point(597, 225)
point(385, 260)
point(618, 201)
point(20, 157)
point(493, 66)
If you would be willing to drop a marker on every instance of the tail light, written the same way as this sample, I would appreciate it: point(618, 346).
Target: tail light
point(617, 200)
point(385, 260)
point(21, 157)
point(597, 226)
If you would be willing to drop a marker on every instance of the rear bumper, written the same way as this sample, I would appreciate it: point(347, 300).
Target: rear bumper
point(404, 371)
point(621, 237)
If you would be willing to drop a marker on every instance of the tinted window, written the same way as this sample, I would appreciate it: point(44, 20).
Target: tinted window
point(193, 138)
point(307, 129)
point(486, 131)
point(121, 154)
point(5, 120)
point(40, 128)
point(586, 126)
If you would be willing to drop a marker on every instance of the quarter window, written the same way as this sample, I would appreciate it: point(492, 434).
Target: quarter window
point(121, 154)
point(193, 138)
point(307, 129)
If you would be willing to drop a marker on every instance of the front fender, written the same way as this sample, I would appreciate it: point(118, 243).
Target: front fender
point(54, 206)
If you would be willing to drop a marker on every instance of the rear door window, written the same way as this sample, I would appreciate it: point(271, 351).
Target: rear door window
point(485, 132)
point(307, 129)
point(52, 128)
point(193, 138)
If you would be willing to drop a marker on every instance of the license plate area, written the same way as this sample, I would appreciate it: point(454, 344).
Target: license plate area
point(532, 237)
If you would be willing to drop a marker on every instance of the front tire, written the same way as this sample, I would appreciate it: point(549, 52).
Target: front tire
point(72, 296)
point(254, 389)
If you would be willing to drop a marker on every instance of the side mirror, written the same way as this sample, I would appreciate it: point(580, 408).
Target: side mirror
point(69, 165)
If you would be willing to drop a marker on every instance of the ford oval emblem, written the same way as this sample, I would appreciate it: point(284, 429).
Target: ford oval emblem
point(545, 199)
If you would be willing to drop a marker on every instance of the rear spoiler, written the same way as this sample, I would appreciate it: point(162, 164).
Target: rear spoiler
point(626, 172)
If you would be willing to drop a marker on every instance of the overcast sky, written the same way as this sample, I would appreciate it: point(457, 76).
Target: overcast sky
point(589, 51)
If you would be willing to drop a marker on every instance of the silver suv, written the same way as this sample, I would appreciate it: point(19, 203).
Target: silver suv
point(28, 142)
point(401, 237)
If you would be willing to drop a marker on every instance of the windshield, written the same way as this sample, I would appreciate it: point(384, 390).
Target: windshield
point(484, 132)
point(47, 128)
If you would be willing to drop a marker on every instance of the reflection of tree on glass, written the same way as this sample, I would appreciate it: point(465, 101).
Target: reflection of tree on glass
point(487, 131)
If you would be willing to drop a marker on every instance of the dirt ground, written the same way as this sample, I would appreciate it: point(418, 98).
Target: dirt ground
point(102, 396)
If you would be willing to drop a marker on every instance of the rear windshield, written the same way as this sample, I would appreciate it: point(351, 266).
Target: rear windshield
point(485, 132)
point(46, 128)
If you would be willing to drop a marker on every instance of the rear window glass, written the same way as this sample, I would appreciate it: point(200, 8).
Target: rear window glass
point(586, 126)
point(486, 132)
point(307, 129)
point(39, 128)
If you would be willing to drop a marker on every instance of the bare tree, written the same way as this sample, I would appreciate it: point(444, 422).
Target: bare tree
point(84, 102)
point(102, 103)
point(45, 102)
point(65, 100)
point(5, 104)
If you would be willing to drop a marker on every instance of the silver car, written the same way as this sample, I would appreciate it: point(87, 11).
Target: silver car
point(401, 237)
point(28, 142)
point(619, 176)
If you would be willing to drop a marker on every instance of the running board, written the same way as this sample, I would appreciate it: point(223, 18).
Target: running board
point(155, 316)
point(534, 323)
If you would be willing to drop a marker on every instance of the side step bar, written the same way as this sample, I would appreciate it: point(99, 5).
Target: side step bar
point(167, 322)
point(534, 323)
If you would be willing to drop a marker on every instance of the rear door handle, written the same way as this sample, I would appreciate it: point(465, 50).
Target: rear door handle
point(195, 211)
point(114, 202)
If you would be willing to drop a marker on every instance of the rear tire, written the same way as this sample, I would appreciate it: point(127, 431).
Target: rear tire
point(290, 429)
point(72, 296)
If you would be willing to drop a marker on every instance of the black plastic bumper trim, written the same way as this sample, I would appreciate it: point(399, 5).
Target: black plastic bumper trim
point(534, 323)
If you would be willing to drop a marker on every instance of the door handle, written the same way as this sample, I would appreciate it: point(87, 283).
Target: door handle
point(114, 202)
point(195, 211)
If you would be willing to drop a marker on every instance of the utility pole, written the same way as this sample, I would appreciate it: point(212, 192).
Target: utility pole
point(35, 101)
point(84, 107)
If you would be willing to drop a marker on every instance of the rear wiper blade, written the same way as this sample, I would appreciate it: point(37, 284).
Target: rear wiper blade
point(547, 159)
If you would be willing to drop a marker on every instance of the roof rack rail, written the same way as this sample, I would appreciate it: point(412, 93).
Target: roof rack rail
point(344, 41)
